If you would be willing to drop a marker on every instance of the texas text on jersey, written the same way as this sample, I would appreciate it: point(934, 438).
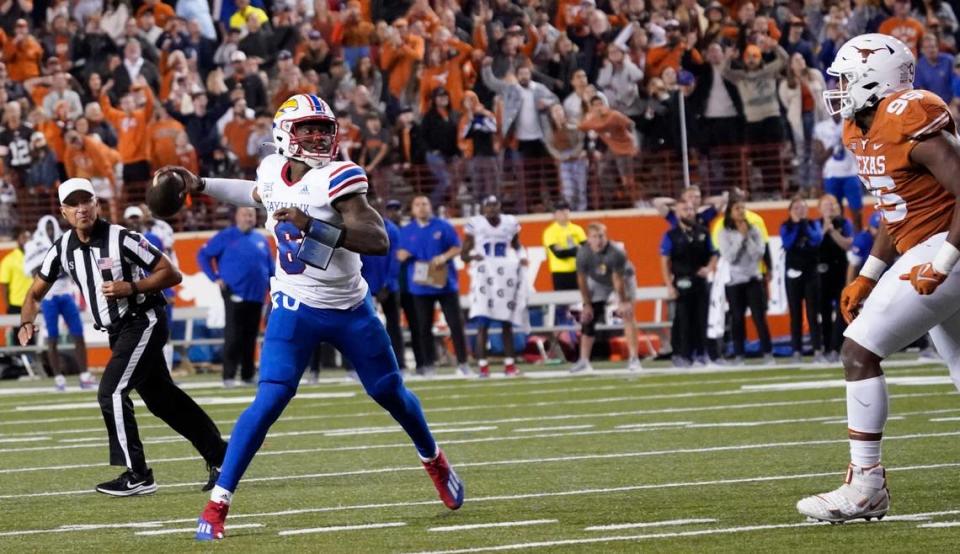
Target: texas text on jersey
point(914, 205)
point(340, 286)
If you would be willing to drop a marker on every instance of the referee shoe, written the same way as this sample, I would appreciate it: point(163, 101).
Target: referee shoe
point(130, 483)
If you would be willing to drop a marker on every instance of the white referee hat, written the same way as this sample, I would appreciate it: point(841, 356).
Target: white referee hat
point(71, 186)
point(132, 211)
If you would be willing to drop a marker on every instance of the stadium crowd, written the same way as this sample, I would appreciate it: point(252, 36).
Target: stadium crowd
point(530, 100)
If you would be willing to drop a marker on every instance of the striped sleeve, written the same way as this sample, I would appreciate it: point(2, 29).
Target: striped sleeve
point(51, 268)
point(345, 180)
point(925, 116)
point(137, 249)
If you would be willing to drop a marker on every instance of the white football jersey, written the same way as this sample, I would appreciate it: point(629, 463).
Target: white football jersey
point(493, 241)
point(830, 134)
point(340, 285)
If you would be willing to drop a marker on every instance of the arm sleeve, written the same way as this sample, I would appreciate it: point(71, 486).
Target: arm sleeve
point(815, 232)
point(666, 245)
point(138, 249)
point(563, 253)
point(346, 180)
point(582, 260)
point(50, 268)
point(210, 251)
point(788, 234)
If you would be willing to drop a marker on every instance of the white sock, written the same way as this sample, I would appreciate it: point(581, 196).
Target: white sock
point(482, 363)
point(508, 361)
point(867, 405)
point(220, 494)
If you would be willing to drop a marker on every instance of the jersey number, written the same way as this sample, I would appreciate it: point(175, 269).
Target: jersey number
point(288, 243)
point(892, 206)
point(19, 153)
point(897, 106)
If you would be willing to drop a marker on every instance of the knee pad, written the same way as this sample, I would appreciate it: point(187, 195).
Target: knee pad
point(386, 388)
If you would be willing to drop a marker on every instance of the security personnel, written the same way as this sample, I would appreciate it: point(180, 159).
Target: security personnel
point(687, 257)
point(562, 239)
point(108, 263)
point(238, 259)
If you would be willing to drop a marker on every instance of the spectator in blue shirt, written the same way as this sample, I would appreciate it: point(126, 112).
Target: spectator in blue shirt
point(801, 237)
point(934, 69)
point(431, 244)
point(240, 261)
point(381, 274)
point(706, 212)
point(862, 244)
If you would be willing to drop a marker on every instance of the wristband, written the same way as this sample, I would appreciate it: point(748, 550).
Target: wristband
point(873, 268)
point(319, 242)
point(946, 258)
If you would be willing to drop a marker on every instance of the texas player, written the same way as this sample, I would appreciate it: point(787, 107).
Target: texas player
point(908, 155)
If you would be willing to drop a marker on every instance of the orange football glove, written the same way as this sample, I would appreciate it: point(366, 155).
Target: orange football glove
point(853, 296)
point(924, 278)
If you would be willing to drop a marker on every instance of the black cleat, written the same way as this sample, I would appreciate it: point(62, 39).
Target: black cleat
point(212, 480)
point(130, 483)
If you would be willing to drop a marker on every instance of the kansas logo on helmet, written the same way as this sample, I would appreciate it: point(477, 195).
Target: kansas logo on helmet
point(288, 106)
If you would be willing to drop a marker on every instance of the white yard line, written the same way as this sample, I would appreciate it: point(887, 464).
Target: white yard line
point(667, 523)
point(194, 529)
point(514, 462)
point(339, 528)
point(913, 381)
point(619, 429)
point(26, 439)
point(201, 400)
point(557, 428)
point(939, 524)
point(502, 498)
point(470, 527)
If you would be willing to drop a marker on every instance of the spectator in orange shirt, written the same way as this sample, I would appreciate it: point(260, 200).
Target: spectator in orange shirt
point(89, 158)
point(161, 12)
point(186, 153)
point(398, 56)
point(617, 133)
point(161, 139)
point(668, 55)
point(902, 26)
point(236, 135)
point(353, 34)
point(22, 53)
point(444, 69)
point(131, 125)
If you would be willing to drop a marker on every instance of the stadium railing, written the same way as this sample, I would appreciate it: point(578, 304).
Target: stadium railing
point(524, 186)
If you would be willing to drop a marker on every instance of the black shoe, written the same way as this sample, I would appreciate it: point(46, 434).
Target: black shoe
point(130, 483)
point(212, 481)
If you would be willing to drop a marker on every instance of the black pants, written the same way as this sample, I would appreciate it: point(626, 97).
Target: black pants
point(740, 297)
point(137, 363)
point(391, 312)
point(565, 280)
point(410, 312)
point(241, 327)
point(450, 305)
point(831, 320)
point(804, 290)
point(689, 331)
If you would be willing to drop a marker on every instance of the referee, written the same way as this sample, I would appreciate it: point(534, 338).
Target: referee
point(108, 263)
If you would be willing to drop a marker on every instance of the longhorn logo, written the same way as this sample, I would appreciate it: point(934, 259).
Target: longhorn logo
point(866, 53)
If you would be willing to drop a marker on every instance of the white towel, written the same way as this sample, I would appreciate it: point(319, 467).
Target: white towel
point(498, 290)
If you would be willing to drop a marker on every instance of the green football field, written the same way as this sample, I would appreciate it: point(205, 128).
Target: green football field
point(656, 461)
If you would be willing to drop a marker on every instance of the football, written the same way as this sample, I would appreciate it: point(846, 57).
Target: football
point(167, 193)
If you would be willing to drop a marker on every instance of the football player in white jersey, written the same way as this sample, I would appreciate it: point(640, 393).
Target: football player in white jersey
point(492, 235)
point(319, 214)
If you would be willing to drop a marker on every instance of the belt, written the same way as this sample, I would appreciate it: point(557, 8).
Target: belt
point(152, 303)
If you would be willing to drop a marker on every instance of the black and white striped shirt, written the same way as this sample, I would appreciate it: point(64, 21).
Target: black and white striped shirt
point(113, 254)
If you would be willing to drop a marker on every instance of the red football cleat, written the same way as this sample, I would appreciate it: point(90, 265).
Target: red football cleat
point(485, 370)
point(510, 370)
point(449, 486)
point(211, 522)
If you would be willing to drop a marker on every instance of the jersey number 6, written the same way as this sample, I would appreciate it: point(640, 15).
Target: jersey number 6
point(288, 243)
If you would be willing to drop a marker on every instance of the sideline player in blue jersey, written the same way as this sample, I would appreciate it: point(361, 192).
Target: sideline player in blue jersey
point(319, 213)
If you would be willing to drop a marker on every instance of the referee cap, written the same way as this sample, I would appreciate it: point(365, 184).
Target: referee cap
point(71, 186)
point(132, 211)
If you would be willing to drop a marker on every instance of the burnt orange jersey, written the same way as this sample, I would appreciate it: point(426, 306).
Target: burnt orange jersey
point(914, 205)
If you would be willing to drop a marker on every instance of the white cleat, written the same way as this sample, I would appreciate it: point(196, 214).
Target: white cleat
point(60, 383)
point(634, 364)
point(87, 380)
point(582, 366)
point(863, 495)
